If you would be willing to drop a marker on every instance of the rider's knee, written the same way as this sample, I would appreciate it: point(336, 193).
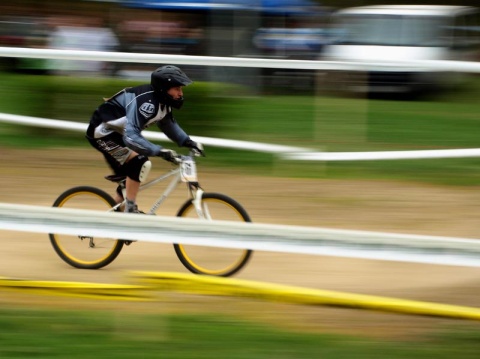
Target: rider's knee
point(138, 168)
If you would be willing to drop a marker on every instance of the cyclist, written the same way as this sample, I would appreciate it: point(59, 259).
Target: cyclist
point(116, 125)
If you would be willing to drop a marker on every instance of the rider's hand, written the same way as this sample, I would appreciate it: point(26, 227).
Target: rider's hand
point(196, 147)
point(168, 155)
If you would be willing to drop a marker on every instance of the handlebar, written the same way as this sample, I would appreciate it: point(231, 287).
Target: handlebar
point(191, 154)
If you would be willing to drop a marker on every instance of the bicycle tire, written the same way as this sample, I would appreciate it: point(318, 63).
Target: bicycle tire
point(235, 259)
point(75, 250)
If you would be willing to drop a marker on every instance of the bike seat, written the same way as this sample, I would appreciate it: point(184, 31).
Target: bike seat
point(115, 178)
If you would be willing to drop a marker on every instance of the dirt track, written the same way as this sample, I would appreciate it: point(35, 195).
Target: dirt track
point(38, 177)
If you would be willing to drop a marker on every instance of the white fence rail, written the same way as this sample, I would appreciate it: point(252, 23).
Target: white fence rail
point(260, 237)
point(382, 155)
point(215, 142)
point(436, 65)
point(285, 152)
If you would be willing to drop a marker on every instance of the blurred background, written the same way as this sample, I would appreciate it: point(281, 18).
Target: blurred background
point(286, 29)
point(326, 110)
point(372, 110)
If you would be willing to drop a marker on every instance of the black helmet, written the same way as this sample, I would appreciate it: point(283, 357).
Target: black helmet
point(166, 77)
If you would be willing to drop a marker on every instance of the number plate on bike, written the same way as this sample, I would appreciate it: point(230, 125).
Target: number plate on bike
point(189, 171)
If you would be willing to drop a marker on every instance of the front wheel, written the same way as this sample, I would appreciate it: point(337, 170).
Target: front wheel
point(85, 251)
point(200, 259)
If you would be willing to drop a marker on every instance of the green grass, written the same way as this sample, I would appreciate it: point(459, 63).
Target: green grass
point(82, 334)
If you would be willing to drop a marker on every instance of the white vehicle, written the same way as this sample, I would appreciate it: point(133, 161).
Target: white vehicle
point(396, 33)
point(81, 38)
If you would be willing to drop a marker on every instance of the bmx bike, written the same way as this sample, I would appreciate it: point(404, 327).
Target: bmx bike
point(87, 252)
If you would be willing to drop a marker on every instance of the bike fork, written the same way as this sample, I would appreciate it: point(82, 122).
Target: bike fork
point(200, 207)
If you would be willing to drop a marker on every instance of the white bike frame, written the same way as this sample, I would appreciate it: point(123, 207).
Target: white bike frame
point(185, 172)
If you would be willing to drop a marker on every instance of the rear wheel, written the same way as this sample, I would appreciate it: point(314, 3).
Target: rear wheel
point(84, 251)
point(200, 259)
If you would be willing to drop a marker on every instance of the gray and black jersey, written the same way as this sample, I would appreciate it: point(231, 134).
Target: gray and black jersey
point(128, 113)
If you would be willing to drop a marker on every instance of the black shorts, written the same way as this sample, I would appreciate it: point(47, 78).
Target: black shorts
point(114, 150)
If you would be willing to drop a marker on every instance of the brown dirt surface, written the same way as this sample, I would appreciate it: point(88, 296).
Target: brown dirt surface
point(37, 177)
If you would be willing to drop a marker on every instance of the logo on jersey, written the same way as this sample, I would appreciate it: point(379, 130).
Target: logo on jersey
point(147, 109)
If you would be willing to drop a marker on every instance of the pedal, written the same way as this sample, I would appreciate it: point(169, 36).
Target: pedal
point(127, 243)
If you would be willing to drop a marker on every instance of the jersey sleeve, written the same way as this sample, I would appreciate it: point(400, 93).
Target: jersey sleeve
point(172, 130)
